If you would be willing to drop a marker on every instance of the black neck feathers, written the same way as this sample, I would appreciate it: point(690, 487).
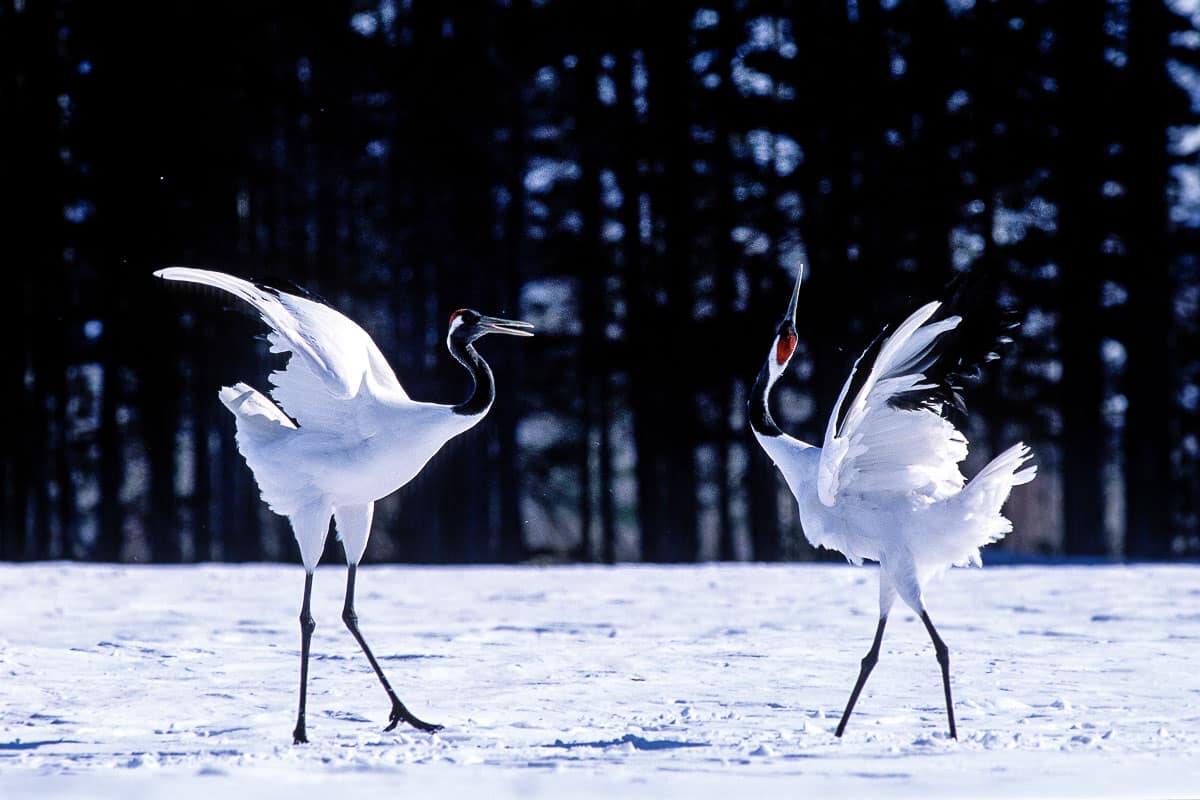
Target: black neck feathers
point(759, 406)
point(483, 392)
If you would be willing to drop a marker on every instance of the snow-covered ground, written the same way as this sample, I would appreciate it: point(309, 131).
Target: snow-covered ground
point(708, 681)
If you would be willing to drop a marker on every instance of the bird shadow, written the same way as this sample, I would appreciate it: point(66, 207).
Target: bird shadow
point(345, 716)
point(17, 744)
point(410, 656)
point(638, 742)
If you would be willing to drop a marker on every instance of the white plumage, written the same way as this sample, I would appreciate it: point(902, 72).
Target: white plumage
point(339, 432)
point(885, 485)
point(357, 436)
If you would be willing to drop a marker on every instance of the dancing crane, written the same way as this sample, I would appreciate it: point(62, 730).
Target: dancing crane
point(341, 433)
point(884, 485)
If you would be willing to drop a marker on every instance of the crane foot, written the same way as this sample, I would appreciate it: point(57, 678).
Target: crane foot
point(401, 714)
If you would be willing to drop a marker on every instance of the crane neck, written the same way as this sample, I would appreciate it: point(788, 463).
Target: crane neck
point(483, 390)
point(759, 405)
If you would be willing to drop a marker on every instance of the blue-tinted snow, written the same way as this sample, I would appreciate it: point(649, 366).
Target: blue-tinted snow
point(78, 211)
point(550, 304)
point(1185, 183)
point(692, 681)
point(542, 173)
point(1011, 225)
point(1187, 78)
point(364, 23)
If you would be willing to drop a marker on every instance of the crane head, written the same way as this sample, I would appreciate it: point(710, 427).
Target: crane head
point(785, 334)
point(469, 325)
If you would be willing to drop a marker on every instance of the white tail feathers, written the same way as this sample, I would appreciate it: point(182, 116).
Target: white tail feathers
point(987, 491)
point(260, 426)
point(979, 505)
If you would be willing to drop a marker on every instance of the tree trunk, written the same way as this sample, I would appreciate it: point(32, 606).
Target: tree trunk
point(1084, 112)
point(1151, 421)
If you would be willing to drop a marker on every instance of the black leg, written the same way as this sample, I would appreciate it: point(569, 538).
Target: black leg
point(307, 626)
point(868, 664)
point(399, 712)
point(943, 657)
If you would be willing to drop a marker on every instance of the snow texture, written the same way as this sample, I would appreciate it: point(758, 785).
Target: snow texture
point(708, 681)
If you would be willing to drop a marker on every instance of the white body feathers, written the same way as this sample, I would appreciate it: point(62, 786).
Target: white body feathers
point(886, 485)
point(359, 436)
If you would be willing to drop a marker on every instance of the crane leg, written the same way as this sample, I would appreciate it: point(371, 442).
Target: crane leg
point(299, 736)
point(399, 712)
point(868, 664)
point(943, 657)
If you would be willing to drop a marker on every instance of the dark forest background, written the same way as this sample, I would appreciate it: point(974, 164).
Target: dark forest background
point(642, 181)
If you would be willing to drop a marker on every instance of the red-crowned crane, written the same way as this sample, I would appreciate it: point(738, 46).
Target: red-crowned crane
point(884, 485)
point(339, 432)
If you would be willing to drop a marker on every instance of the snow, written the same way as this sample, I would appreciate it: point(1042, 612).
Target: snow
point(634, 681)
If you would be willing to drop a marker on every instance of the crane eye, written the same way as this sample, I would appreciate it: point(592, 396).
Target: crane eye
point(785, 347)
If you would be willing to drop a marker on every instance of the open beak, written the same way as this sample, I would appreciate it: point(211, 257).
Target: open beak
point(791, 312)
point(513, 327)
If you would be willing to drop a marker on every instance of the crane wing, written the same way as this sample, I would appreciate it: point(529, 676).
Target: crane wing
point(332, 357)
point(878, 440)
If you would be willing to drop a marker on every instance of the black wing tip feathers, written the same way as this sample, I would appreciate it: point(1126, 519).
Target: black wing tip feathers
point(962, 353)
point(277, 285)
point(859, 372)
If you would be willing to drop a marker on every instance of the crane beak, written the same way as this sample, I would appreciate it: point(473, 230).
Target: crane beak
point(791, 312)
point(513, 327)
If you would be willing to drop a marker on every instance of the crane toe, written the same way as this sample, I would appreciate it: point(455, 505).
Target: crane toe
point(401, 714)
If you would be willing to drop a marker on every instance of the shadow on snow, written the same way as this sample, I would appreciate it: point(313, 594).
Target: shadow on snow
point(638, 742)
